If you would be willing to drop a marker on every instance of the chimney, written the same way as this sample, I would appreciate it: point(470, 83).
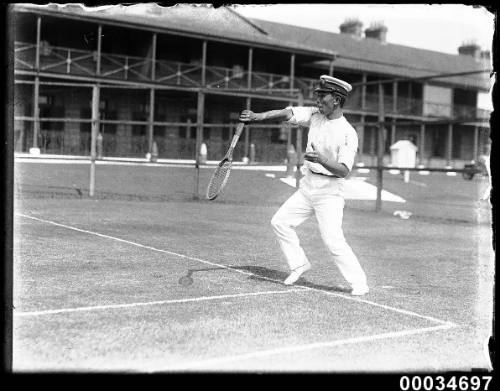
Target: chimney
point(352, 27)
point(470, 49)
point(377, 31)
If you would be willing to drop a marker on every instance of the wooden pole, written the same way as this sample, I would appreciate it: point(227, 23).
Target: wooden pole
point(199, 139)
point(380, 148)
point(93, 137)
point(292, 71)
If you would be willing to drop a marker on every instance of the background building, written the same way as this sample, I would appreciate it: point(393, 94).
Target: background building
point(170, 74)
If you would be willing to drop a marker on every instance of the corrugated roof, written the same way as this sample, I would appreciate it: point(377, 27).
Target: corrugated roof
point(186, 18)
point(369, 54)
point(364, 54)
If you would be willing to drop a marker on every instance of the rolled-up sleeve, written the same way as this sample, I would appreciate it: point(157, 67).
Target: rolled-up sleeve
point(301, 115)
point(347, 152)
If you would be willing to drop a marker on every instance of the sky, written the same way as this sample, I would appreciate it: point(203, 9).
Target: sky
point(436, 27)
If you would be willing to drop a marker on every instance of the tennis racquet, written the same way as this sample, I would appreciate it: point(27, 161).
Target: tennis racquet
point(221, 173)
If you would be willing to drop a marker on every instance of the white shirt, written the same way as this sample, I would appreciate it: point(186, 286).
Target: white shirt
point(334, 138)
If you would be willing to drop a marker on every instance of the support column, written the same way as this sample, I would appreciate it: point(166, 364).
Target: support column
point(363, 92)
point(449, 145)
point(395, 97)
point(292, 71)
point(250, 65)
point(36, 92)
point(475, 143)
point(361, 137)
point(330, 69)
point(393, 132)
point(422, 144)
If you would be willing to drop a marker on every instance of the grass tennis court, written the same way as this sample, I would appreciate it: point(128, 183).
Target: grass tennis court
point(96, 283)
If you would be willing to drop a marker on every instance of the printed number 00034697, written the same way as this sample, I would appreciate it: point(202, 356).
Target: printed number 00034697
point(445, 383)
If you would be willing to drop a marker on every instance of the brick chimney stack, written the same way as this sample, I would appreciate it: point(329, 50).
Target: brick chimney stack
point(377, 31)
point(470, 49)
point(353, 27)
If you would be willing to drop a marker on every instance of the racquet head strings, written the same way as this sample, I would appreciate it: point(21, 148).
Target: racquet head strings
point(219, 179)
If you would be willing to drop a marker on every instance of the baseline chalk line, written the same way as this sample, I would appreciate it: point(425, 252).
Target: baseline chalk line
point(150, 303)
point(300, 348)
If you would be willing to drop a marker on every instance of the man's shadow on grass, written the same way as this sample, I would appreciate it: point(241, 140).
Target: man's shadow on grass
point(265, 274)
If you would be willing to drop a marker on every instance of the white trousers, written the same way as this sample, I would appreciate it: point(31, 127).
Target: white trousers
point(329, 212)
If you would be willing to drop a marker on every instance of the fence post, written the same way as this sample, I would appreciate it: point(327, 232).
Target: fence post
point(93, 139)
point(380, 147)
point(199, 137)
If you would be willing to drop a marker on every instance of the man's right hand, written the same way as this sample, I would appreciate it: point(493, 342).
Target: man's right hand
point(248, 116)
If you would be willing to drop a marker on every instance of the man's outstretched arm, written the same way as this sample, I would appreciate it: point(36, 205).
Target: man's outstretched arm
point(276, 115)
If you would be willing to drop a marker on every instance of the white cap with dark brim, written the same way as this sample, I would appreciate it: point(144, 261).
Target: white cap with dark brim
point(332, 84)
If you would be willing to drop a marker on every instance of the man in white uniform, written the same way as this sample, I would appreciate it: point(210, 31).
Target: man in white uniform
point(331, 147)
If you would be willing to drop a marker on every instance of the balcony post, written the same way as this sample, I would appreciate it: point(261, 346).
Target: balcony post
point(99, 49)
point(204, 63)
point(250, 64)
point(38, 42)
point(153, 59)
point(292, 71)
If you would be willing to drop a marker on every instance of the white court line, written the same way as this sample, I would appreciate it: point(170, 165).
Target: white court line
point(394, 309)
point(175, 301)
point(301, 348)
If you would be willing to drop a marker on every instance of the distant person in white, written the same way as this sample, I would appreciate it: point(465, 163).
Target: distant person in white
point(331, 147)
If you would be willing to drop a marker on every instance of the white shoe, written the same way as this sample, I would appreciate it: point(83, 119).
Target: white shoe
point(296, 273)
point(360, 290)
